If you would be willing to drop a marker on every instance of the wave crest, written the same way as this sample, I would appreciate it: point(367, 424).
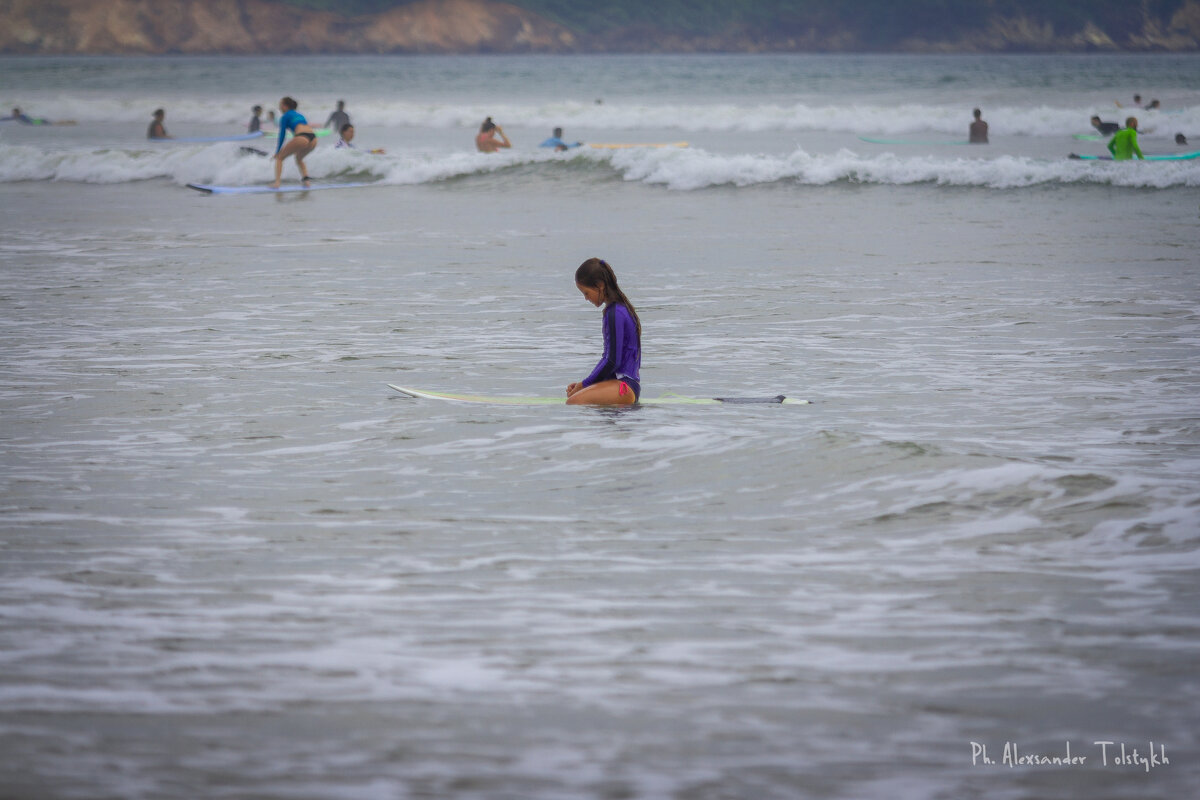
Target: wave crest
point(868, 118)
point(689, 169)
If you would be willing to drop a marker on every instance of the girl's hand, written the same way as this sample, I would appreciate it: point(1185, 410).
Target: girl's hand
point(573, 388)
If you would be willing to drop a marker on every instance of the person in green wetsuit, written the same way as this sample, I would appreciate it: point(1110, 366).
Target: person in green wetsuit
point(1123, 145)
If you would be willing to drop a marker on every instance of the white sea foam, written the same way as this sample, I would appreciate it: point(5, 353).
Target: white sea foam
point(867, 117)
point(695, 169)
point(864, 118)
point(678, 169)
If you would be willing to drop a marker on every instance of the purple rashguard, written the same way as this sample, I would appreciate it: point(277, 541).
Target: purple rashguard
point(622, 350)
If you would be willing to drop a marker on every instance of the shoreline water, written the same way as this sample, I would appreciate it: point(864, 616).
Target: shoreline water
point(236, 564)
point(747, 121)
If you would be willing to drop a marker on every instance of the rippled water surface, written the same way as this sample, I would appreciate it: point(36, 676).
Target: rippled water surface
point(233, 563)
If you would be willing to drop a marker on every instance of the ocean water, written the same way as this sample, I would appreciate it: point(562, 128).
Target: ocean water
point(233, 564)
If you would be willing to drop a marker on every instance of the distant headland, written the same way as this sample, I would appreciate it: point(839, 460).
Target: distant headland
point(239, 27)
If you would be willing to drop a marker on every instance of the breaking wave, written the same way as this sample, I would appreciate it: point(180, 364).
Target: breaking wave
point(677, 169)
point(590, 118)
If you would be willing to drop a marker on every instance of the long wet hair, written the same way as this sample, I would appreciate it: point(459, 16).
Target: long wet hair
point(289, 103)
point(595, 273)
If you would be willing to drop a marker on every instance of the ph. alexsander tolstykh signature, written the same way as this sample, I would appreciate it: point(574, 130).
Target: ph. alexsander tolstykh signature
point(1101, 753)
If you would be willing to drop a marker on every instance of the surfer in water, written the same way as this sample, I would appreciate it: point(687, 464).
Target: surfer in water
point(556, 141)
point(25, 119)
point(157, 130)
point(302, 143)
point(1105, 128)
point(614, 381)
point(1124, 143)
point(485, 140)
point(346, 142)
point(255, 124)
point(339, 118)
point(977, 134)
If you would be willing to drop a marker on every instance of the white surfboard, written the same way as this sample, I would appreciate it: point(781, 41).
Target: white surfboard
point(260, 189)
point(512, 400)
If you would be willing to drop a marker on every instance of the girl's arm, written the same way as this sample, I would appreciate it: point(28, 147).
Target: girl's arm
point(602, 368)
point(285, 122)
point(598, 372)
point(616, 335)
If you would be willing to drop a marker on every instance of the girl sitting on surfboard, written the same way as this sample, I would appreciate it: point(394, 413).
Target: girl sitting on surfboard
point(614, 381)
point(302, 143)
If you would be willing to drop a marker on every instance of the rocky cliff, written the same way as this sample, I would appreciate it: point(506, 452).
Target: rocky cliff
point(259, 26)
point(1022, 34)
point(488, 26)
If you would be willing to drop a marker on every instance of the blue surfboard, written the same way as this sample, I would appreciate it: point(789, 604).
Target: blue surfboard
point(291, 187)
point(1149, 157)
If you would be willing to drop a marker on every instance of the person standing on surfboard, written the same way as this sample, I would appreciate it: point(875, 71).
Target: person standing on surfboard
point(614, 381)
point(303, 140)
point(1124, 144)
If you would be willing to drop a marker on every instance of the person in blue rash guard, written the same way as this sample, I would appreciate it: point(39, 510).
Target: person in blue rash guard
point(556, 141)
point(615, 380)
point(303, 140)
